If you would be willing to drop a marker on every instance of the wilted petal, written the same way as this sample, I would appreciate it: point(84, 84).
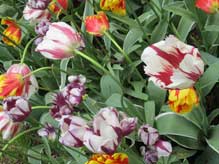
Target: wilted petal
point(163, 148)
point(172, 64)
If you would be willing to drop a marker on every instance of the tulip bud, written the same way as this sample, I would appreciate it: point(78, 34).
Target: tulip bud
point(48, 131)
point(97, 24)
point(17, 108)
point(58, 6)
point(163, 148)
point(72, 131)
point(8, 128)
point(208, 6)
point(60, 107)
point(148, 134)
point(42, 27)
point(128, 125)
point(74, 91)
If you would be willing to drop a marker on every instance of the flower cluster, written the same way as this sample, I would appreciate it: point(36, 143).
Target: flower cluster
point(155, 147)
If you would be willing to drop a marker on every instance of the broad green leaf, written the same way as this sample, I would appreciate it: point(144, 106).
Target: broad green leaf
point(208, 79)
point(7, 11)
point(149, 110)
point(209, 156)
point(77, 155)
point(160, 31)
point(63, 66)
point(35, 152)
point(213, 115)
point(131, 38)
point(47, 118)
point(115, 100)
point(212, 139)
point(208, 58)
point(109, 86)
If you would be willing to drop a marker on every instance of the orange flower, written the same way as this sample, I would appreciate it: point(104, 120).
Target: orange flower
point(117, 158)
point(58, 5)
point(13, 32)
point(11, 84)
point(97, 24)
point(116, 6)
point(182, 101)
point(209, 6)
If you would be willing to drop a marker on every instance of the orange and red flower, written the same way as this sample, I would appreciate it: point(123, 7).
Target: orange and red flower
point(116, 6)
point(182, 101)
point(209, 6)
point(97, 24)
point(12, 32)
point(11, 84)
point(58, 6)
point(117, 158)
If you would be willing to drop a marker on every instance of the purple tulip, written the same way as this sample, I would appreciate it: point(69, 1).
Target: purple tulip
point(47, 131)
point(163, 148)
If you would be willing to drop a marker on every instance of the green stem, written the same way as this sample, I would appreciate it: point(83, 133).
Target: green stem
point(98, 65)
point(25, 50)
point(119, 48)
point(17, 137)
point(37, 70)
point(41, 107)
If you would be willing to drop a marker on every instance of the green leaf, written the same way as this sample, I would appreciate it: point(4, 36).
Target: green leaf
point(131, 38)
point(160, 31)
point(212, 139)
point(208, 79)
point(47, 118)
point(207, 157)
point(77, 155)
point(213, 115)
point(63, 66)
point(208, 58)
point(188, 133)
point(115, 101)
point(35, 154)
point(149, 110)
point(7, 11)
point(109, 86)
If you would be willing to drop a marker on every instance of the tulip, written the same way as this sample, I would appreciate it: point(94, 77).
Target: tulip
point(17, 108)
point(75, 90)
point(8, 127)
point(42, 27)
point(54, 6)
point(11, 84)
point(97, 24)
point(47, 131)
point(35, 15)
point(182, 101)
point(38, 4)
point(30, 83)
point(60, 107)
point(148, 134)
point(209, 6)
point(72, 131)
point(172, 64)
point(60, 41)
point(116, 6)
point(163, 148)
point(107, 131)
point(117, 158)
point(151, 157)
point(12, 32)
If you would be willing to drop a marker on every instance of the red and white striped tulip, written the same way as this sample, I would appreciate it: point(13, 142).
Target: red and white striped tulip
point(60, 41)
point(172, 64)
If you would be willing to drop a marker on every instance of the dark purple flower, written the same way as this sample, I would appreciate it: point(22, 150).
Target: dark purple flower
point(151, 157)
point(17, 107)
point(42, 27)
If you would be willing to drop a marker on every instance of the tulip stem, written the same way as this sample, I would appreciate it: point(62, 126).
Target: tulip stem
point(41, 107)
point(25, 50)
point(17, 137)
point(119, 48)
point(37, 70)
